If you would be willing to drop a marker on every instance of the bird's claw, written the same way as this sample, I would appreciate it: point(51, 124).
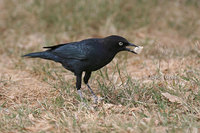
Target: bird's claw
point(95, 99)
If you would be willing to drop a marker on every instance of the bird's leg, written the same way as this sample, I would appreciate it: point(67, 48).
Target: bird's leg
point(86, 78)
point(80, 94)
point(93, 94)
point(78, 85)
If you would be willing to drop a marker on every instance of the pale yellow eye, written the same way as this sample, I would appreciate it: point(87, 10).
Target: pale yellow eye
point(120, 43)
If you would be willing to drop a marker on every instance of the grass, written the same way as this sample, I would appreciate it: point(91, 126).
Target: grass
point(157, 91)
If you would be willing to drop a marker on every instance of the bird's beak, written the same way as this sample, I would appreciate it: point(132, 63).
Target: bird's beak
point(130, 50)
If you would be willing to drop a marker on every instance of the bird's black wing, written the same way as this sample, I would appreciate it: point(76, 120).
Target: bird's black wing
point(55, 46)
point(75, 50)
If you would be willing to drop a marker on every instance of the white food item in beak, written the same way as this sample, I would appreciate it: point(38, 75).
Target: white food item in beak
point(138, 49)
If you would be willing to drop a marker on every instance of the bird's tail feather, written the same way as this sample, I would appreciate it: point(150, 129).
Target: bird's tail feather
point(44, 55)
point(35, 55)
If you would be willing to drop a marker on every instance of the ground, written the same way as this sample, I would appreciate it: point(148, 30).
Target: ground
point(156, 91)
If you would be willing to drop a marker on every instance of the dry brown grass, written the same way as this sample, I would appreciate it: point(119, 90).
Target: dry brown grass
point(157, 91)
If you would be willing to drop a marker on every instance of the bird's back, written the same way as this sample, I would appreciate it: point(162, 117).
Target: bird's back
point(86, 55)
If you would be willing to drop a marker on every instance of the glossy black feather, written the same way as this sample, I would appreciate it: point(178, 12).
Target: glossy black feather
point(55, 46)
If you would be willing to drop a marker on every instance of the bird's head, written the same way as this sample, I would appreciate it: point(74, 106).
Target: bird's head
point(117, 43)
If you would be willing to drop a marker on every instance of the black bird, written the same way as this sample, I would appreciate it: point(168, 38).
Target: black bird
point(85, 56)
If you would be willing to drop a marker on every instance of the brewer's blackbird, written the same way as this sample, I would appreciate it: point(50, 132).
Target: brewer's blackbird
point(85, 56)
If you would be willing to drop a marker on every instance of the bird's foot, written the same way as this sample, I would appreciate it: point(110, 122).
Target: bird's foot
point(83, 105)
point(80, 94)
point(95, 99)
